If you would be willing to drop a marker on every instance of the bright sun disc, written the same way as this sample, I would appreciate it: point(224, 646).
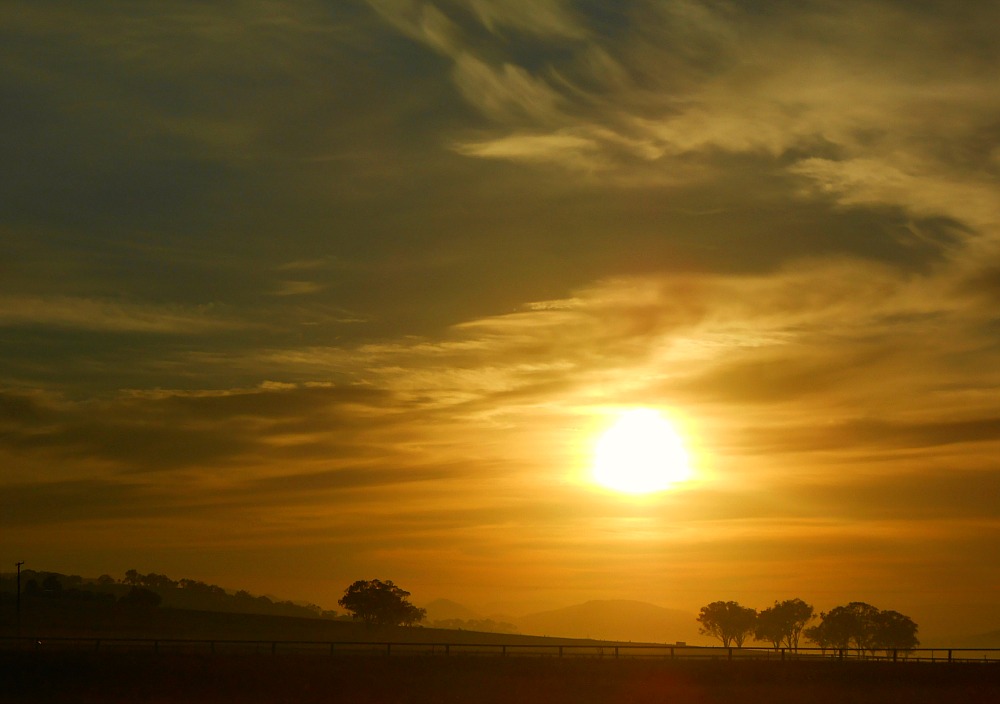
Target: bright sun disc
point(641, 453)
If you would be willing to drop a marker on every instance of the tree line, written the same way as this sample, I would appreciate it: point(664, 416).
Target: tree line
point(856, 625)
point(155, 589)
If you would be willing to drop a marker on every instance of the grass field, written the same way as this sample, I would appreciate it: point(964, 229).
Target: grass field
point(136, 677)
point(178, 674)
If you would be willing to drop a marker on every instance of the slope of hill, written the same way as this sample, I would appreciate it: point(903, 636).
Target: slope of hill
point(615, 620)
point(45, 618)
point(980, 640)
point(446, 610)
point(177, 594)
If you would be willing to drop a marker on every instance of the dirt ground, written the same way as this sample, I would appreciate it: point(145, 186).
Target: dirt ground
point(146, 677)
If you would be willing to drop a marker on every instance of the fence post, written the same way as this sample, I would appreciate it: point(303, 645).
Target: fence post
point(560, 651)
point(447, 649)
point(895, 654)
point(782, 653)
point(616, 652)
point(730, 653)
point(672, 653)
point(503, 651)
point(949, 654)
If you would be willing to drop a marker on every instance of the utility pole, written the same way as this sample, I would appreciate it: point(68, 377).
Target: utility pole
point(18, 631)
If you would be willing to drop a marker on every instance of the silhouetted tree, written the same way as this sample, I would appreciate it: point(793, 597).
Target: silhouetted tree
point(819, 635)
point(133, 578)
point(140, 596)
point(864, 627)
point(105, 579)
point(380, 603)
point(894, 631)
point(727, 621)
point(851, 625)
point(157, 581)
point(782, 624)
point(51, 584)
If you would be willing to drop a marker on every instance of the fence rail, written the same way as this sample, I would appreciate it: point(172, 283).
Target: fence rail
point(445, 649)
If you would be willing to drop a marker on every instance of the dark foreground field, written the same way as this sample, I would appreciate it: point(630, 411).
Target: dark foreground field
point(147, 677)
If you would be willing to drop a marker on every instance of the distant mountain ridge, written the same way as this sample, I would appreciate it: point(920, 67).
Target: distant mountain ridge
point(447, 610)
point(979, 640)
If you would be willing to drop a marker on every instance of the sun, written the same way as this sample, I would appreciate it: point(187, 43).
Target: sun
point(640, 454)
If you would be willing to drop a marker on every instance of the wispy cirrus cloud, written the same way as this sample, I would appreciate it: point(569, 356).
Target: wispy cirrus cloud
point(811, 88)
point(115, 316)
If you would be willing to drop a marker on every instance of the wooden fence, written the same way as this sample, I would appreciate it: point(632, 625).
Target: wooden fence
point(444, 649)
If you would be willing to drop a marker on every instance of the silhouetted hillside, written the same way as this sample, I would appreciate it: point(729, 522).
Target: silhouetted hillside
point(447, 614)
point(445, 610)
point(615, 620)
point(980, 640)
point(179, 594)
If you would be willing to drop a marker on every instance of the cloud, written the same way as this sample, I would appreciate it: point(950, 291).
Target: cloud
point(811, 88)
point(505, 93)
point(545, 17)
point(297, 288)
point(114, 315)
point(368, 280)
point(871, 182)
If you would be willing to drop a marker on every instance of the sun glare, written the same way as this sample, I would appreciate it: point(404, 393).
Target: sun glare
point(640, 454)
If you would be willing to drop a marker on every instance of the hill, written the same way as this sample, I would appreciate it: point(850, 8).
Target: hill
point(447, 610)
point(980, 640)
point(178, 594)
point(52, 618)
point(617, 619)
point(450, 615)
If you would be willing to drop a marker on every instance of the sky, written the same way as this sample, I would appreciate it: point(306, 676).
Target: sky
point(298, 293)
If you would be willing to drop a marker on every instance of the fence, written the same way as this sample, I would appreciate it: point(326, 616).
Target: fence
point(443, 649)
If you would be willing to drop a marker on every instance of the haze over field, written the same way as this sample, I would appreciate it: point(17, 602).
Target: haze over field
point(299, 293)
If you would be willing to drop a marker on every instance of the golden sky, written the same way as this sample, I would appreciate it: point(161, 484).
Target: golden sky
point(298, 293)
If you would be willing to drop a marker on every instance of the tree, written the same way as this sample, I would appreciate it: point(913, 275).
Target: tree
point(818, 635)
point(782, 624)
point(157, 581)
point(851, 625)
point(727, 621)
point(864, 627)
point(380, 603)
point(894, 631)
point(770, 627)
point(140, 596)
point(51, 585)
point(133, 578)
